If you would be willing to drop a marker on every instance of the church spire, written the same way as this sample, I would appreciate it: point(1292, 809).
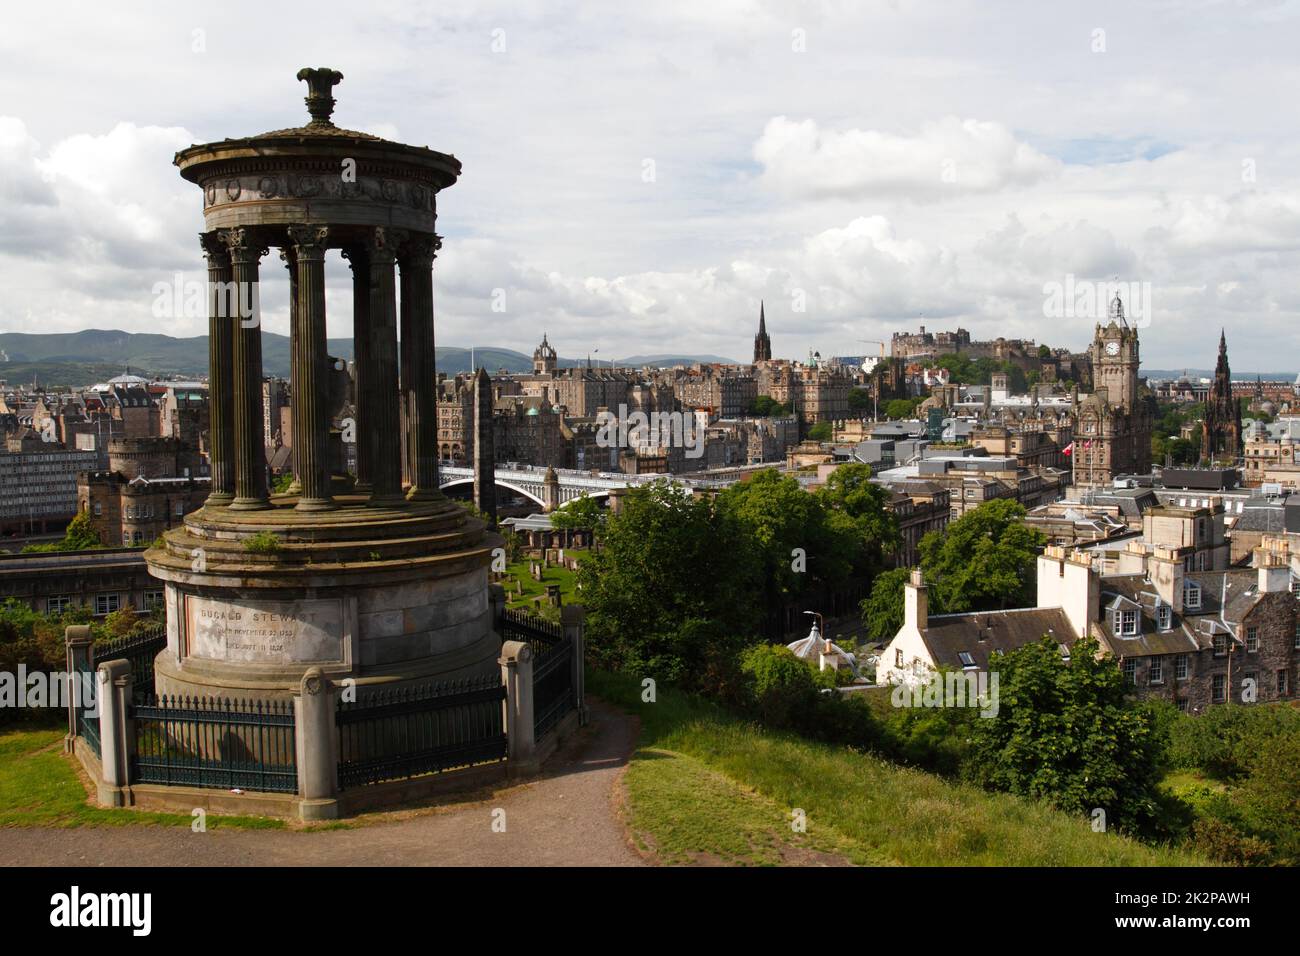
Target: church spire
point(762, 342)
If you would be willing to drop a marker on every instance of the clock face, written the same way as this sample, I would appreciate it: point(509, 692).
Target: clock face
point(1112, 348)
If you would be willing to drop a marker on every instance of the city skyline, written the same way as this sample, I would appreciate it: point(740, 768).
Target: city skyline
point(627, 216)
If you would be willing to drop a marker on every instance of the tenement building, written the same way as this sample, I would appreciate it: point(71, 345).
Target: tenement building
point(1195, 638)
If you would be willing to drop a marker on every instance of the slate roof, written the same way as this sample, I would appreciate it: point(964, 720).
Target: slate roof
point(982, 632)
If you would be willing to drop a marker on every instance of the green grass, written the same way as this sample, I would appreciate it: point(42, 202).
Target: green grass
point(518, 571)
point(39, 787)
point(705, 783)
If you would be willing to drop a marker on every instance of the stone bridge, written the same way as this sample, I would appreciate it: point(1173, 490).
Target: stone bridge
point(530, 482)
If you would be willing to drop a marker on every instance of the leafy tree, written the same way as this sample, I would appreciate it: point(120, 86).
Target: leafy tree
point(860, 401)
point(585, 513)
point(1068, 732)
point(765, 406)
point(882, 609)
point(820, 432)
point(899, 408)
point(1270, 797)
point(1044, 352)
point(983, 561)
point(794, 543)
point(79, 536)
point(670, 593)
point(861, 508)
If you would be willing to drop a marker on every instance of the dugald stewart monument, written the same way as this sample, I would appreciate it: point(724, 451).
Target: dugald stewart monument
point(376, 577)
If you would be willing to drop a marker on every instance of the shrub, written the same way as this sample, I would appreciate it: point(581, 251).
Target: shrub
point(782, 688)
point(264, 542)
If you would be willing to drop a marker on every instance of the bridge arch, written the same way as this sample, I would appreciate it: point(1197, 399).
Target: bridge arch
point(517, 489)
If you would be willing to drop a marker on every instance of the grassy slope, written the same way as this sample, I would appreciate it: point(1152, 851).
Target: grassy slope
point(40, 787)
point(707, 784)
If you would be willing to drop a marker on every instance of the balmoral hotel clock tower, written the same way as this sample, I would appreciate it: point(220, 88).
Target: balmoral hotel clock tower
point(1112, 425)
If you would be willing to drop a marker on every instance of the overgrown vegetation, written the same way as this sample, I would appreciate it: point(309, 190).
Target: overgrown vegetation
point(79, 536)
point(708, 785)
point(264, 542)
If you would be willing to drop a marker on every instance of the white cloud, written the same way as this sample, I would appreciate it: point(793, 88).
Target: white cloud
point(944, 157)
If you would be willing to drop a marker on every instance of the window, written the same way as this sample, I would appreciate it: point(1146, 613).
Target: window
point(1220, 645)
point(1219, 688)
point(99, 509)
point(1252, 639)
point(1296, 643)
point(57, 604)
point(107, 603)
point(1192, 594)
point(153, 599)
point(1282, 688)
point(898, 657)
point(1182, 704)
point(1129, 668)
point(1164, 616)
point(1126, 622)
point(967, 661)
point(1156, 673)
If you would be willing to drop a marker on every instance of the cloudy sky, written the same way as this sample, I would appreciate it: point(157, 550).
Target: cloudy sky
point(637, 181)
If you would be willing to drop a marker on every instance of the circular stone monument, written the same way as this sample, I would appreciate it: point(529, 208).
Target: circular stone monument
point(375, 576)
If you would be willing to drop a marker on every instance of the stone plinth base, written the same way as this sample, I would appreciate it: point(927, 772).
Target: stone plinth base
point(378, 595)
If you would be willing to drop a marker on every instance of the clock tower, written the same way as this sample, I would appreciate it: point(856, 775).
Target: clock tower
point(1115, 360)
point(1112, 426)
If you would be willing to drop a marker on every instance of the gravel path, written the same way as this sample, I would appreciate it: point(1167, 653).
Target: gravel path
point(565, 818)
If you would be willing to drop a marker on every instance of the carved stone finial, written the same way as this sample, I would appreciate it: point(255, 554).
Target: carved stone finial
point(320, 97)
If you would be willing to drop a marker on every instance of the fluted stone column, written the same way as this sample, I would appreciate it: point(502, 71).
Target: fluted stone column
point(386, 464)
point(485, 489)
point(246, 251)
point(419, 388)
point(221, 333)
point(290, 258)
point(359, 261)
point(311, 419)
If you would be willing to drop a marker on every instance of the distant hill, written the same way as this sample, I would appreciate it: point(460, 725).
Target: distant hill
point(93, 355)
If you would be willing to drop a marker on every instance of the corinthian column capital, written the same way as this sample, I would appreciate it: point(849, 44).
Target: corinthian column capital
point(381, 245)
point(244, 244)
point(214, 250)
point(420, 249)
point(309, 240)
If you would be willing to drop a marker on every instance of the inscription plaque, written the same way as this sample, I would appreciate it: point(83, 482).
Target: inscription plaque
point(265, 632)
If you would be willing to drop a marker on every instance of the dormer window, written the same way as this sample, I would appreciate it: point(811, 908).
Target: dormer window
point(1126, 622)
point(1164, 616)
point(1192, 595)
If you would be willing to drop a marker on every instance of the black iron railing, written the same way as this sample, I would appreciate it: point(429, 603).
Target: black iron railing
point(206, 742)
point(414, 730)
point(552, 687)
point(534, 631)
point(88, 726)
point(553, 691)
point(140, 649)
